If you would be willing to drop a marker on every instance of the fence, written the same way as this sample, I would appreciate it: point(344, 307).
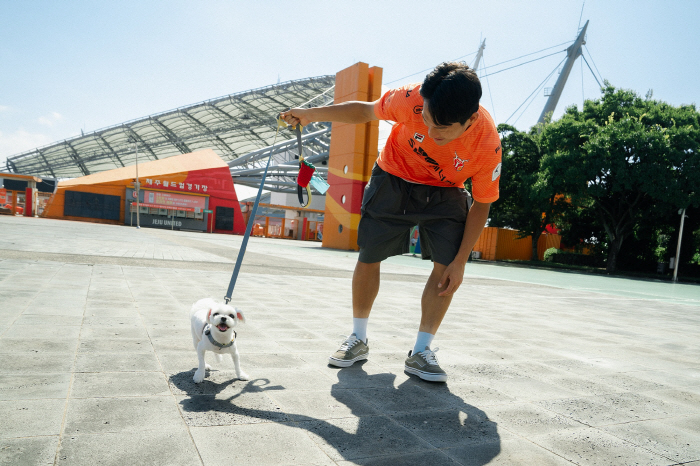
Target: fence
point(15, 202)
point(276, 227)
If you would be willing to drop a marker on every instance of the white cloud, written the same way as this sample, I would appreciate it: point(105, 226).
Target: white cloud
point(20, 141)
point(4, 108)
point(51, 119)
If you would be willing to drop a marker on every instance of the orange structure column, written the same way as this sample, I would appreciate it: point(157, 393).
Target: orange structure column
point(352, 154)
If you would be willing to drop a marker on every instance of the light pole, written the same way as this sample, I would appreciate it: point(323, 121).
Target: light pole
point(137, 185)
point(678, 248)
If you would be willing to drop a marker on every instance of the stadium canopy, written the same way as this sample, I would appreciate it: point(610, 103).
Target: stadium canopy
point(240, 127)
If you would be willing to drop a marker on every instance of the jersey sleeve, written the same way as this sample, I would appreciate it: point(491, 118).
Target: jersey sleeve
point(396, 104)
point(485, 182)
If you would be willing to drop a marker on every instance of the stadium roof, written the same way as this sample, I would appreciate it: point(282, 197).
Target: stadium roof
point(236, 125)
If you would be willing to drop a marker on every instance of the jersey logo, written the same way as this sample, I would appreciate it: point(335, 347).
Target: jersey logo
point(430, 161)
point(496, 172)
point(459, 163)
point(418, 109)
point(418, 137)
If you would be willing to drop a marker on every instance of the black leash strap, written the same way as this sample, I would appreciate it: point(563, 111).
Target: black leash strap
point(300, 190)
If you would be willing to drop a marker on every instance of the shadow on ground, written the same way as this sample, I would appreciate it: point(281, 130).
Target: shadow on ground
point(387, 421)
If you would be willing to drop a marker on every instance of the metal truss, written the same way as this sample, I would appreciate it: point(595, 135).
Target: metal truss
point(233, 126)
point(284, 166)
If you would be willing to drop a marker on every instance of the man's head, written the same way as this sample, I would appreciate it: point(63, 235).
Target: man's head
point(451, 94)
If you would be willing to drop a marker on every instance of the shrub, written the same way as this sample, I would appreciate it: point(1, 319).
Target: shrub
point(549, 254)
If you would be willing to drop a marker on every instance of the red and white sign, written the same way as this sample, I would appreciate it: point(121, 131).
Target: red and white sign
point(158, 206)
point(3, 195)
point(173, 200)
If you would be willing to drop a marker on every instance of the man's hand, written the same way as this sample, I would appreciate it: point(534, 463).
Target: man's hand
point(452, 278)
point(295, 116)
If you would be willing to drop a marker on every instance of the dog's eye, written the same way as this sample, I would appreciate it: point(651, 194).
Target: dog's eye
point(215, 314)
point(232, 316)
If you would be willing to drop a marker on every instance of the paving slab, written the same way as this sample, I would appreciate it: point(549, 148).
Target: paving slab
point(545, 367)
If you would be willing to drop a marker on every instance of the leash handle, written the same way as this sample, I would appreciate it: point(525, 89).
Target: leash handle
point(300, 195)
point(300, 189)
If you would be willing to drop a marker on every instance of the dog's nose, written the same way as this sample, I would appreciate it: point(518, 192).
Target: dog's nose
point(223, 319)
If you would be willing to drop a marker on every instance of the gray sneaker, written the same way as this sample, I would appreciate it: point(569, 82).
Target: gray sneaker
point(351, 351)
point(425, 365)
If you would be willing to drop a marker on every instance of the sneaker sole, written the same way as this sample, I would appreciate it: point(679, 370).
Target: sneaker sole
point(429, 376)
point(345, 362)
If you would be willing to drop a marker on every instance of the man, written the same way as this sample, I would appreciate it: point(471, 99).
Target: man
point(441, 138)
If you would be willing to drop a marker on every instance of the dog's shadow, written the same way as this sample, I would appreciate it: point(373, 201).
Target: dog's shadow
point(441, 418)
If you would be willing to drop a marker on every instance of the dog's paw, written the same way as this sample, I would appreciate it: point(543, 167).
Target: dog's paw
point(207, 367)
point(243, 376)
point(198, 376)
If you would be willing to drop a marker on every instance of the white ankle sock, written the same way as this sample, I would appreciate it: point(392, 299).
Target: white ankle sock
point(424, 339)
point(359, 328)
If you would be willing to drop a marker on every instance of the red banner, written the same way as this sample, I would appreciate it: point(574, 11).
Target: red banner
point(174, 200)
point(158, 206)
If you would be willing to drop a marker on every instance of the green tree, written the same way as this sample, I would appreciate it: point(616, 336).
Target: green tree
point(621, 155)
point(526, 201)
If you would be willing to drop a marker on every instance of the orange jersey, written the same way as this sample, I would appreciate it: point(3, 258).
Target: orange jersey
point(410, 154)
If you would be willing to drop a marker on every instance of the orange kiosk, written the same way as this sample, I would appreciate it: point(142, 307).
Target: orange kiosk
point(352, 154)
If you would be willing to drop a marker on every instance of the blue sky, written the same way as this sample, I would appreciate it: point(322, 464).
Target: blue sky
point(69, 65)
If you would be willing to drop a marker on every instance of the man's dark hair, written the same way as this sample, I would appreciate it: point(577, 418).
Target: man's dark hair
point(452, 92)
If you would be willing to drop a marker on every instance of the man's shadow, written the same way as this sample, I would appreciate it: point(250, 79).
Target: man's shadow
point(431, 412)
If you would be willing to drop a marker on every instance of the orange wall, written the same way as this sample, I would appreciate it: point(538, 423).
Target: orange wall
point(54, 208)
point(502, 244)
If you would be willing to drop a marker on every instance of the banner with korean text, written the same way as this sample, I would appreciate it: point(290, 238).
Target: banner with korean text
point(174, 200)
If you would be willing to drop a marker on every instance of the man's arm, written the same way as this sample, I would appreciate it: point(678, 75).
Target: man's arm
point(454, 274)
point(347, 112)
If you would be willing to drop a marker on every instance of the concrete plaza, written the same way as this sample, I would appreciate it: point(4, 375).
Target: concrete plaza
point(545, 367)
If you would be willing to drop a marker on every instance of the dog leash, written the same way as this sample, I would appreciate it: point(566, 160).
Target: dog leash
point(241, 252)
point(307, 177)
point(306, 171)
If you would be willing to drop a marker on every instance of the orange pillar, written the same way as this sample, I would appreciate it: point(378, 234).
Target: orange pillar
point(352, 154)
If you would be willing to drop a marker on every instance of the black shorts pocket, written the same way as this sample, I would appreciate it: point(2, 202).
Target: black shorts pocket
point(371, 188)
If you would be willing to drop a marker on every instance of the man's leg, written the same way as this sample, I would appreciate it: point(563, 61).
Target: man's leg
point(433, 307)
point(420, 361)
point(365, 287)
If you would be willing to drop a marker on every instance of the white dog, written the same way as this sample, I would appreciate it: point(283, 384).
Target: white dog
point(212, 330)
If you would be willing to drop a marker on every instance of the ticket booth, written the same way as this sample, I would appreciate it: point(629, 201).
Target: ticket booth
point(19, 194)
point(185, 192)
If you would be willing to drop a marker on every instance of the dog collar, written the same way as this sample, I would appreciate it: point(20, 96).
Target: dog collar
point(207, 332)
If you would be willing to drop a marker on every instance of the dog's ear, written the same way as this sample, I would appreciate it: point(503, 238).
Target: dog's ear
point(209, 316)
point(239, 315)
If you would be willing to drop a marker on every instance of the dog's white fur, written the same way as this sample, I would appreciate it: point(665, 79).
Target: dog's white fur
point(219, 316)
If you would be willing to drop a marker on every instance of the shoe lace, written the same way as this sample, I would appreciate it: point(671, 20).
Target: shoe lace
point(349, 342)
point(429, 356)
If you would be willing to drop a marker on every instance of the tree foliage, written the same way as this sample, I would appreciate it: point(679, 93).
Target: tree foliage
point(526, 201)
point(623, 162)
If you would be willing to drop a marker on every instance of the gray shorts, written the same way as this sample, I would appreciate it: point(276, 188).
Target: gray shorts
point(392, 206)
